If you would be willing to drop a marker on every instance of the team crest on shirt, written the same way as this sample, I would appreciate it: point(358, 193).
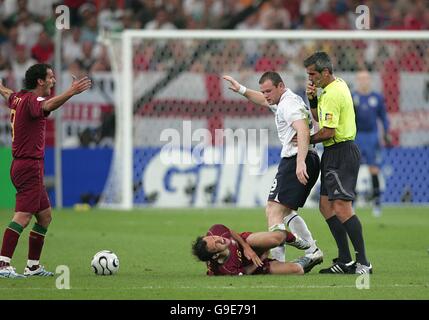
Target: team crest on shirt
point(328, 116)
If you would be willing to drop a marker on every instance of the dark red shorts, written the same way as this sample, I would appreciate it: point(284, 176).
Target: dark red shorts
point(27, 177)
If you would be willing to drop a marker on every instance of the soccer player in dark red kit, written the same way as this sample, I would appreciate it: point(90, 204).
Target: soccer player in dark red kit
point(29, 109)
point(229, 253)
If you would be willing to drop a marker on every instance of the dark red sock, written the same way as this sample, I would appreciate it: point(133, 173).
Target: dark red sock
point(290, 237)
point(10, 240)
point(36, 241)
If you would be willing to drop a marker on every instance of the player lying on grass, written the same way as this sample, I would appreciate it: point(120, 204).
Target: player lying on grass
point(229, 253)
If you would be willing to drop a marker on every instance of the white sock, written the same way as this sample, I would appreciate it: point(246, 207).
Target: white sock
point(298, 226)
point(5, 259)
point(278, 253)
point(32, 263)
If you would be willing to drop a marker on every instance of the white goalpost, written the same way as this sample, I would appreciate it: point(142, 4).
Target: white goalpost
point(163, 78)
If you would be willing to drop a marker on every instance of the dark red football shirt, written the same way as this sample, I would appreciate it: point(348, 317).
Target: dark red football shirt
point(28, 122)
point(236, 260)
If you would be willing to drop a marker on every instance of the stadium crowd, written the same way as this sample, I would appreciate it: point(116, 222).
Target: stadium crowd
point(27, 30)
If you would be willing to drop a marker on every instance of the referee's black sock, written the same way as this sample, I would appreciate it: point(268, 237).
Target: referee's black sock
point(354, 230)
point(340, 236)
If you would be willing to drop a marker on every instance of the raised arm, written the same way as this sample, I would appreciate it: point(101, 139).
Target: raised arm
point(5, 92)
point(253, 95)
point(76, 87)
point(312, 98)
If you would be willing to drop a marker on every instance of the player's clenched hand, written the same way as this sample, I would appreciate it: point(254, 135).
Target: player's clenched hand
point(301, 172)
point(311, 90)
point(251, 255)
point(234, 85)
point(80, 85)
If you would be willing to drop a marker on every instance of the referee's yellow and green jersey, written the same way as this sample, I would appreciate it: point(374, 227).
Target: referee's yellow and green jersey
point(336, 111)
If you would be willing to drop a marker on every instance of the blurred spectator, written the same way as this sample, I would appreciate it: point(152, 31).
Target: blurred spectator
point(89, 56)
point(74, 6)
point(43, 50)
point(327, 19)
point(42, 8)
point(28, 30)
point(49, 21)
point(21, 63)
point(250, 46)
point(89, 19)
point(272, 59)
point(4, 63)
point(12, 10)
point(176, 11)
point(129, 22)
point(7, 49)
point(396, 20)
point(109, 18)
point(161, 21)
point(72, 46)
point(275, 16)
point(101, 63)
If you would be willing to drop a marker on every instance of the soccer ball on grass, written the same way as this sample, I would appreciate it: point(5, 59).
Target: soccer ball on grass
point(105, 263)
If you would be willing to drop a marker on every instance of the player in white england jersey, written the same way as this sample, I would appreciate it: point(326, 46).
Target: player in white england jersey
point(299, 166)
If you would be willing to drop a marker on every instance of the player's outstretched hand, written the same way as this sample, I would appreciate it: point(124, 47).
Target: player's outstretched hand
point(234, 85)
point(80, 85)
point(252, 256)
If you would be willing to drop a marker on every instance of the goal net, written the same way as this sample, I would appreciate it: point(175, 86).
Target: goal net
point(183, 139)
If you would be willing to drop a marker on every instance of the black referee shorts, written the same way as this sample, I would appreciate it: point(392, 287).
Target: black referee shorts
point(287, 189)
point(340, 167)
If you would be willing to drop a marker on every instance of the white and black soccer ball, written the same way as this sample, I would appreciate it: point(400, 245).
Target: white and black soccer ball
point(105, 263)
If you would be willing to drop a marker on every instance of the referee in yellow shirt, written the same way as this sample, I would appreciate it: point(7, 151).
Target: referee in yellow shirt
point(334, 111)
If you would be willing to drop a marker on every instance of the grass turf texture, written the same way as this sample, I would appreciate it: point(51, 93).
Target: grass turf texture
point(154, 249)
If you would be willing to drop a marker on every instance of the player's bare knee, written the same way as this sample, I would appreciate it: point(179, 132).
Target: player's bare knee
point(22, 218)
point(44, 217)
point(45, 221)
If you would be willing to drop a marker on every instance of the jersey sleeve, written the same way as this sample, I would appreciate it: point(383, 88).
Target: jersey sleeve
point(219, 230)
point(330, 111)
point(35, 105)
point(9, 101)
point(294, 112)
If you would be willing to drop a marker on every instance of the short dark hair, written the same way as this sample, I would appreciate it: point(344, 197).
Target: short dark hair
point(271, 75)
point(199, 249)
point(321, 60)
point(34, 73)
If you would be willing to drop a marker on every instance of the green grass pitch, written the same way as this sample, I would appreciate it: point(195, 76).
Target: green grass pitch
point(154, 245)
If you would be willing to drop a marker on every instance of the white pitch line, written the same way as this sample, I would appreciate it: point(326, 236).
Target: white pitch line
point(231, 287)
